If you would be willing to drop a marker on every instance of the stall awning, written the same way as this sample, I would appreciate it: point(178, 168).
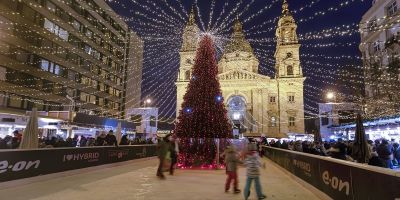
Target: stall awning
point(93, 120)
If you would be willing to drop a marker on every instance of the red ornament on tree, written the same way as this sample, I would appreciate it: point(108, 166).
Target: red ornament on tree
point(203, 117)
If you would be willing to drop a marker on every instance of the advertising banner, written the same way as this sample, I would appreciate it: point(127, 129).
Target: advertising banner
point(337, 180)
point(23, 164)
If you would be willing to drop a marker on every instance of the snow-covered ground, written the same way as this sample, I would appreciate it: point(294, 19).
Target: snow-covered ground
point(137, 181)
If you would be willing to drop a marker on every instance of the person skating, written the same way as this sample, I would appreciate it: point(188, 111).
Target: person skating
point(253, 164)
point(162, 147)
point(174, 150)
point(231, 161)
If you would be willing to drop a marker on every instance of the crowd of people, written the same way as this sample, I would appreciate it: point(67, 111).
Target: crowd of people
point(103, 139)
point(11, 142)
point(382, 153)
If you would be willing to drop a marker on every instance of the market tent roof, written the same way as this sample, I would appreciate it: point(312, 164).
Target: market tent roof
point(93, 120)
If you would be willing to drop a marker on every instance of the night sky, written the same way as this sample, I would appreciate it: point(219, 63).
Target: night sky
point(160, 24)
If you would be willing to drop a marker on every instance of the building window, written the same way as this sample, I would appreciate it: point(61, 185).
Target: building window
point(291, 98)
point(272, 99)
point(324, 121)
point(92, 99)
point(392, 8)
point(89, 50)
point(377, 47)
point(187, 75)
point(153, 121)
point(54, 28)
point(83, 96)
point(292, 121)
point(76, 25)
point(89, 33)
point(273, 121)
point(51, 67)
point(371, 25)
point(100, 102)
point(290, 70)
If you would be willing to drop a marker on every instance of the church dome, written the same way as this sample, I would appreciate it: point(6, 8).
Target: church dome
point(238, 41)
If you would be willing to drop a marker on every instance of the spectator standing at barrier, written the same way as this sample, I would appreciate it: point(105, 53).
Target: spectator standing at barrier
point(90, 142)
point(124, 140)
point(385, 152)
point(291, 145)
point(375, 160)
point(16, 140)
point(110, 139)
point(284, 145)
point(231, 162)
point(162, 149)
point(82, 141)
point(297, 146)
point(339, 151)
point(253, 164)
point(101, 139)
point(3, 144)
point(396, 148)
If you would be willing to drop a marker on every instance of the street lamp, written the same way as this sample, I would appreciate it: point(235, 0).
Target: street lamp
point(147, 101)
point(330, 96)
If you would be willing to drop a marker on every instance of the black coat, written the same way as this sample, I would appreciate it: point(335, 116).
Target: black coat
point(111, 140)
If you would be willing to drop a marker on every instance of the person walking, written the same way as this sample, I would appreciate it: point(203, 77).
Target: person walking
point(231, 161)
point(253, 164)
point(162, 147)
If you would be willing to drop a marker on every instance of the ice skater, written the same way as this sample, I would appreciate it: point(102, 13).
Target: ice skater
point(162, 147)
point(253, 164)
point(231, 161)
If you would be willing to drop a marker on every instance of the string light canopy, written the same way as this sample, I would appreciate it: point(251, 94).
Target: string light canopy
point(327, 48)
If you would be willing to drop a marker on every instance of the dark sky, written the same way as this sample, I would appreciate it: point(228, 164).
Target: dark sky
point(329, 41)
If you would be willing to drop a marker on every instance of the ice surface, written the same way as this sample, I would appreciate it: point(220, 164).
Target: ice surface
point(137, 181)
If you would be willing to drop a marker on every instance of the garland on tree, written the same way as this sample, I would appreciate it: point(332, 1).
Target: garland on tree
point(203, 119)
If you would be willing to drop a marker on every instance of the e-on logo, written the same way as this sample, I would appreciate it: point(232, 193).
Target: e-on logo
point(335, 182)
point(18, 166)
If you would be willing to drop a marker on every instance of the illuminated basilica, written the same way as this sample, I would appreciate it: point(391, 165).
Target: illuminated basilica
point(257, 104)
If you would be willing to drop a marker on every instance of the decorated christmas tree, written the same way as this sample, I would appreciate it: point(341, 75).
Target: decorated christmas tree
point(203, 121)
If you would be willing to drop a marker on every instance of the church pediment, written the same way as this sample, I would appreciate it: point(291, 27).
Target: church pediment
point(241, 75)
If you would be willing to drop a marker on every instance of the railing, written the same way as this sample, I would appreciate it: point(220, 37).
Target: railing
point(337, 178)
point(17, 164)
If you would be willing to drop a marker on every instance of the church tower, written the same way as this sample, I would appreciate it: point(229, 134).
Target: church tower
point(287, 50)
point(288, 73)
point(187, 55)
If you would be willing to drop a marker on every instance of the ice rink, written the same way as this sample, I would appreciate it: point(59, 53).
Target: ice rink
point(136, 180)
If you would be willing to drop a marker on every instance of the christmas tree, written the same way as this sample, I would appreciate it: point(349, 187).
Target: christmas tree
point(203, 120)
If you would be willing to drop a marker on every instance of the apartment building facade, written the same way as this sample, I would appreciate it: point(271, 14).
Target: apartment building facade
point(76, 55)
point(379, 29)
